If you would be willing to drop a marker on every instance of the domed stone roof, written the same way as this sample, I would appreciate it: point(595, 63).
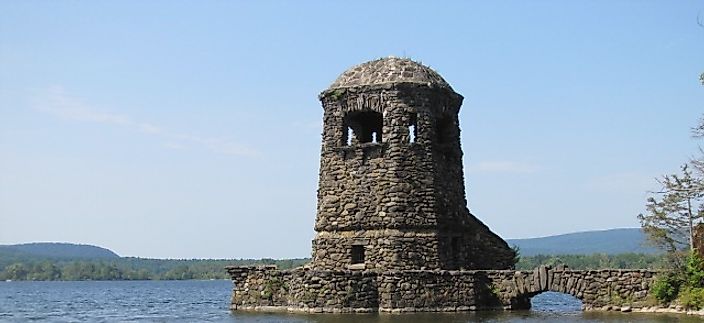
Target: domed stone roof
point(389, 70)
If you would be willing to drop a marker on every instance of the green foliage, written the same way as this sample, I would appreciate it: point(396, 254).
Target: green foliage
point(495, 291)
point(272, 287)
point(337, 94)
point(516, 254)
point(694, 271)
point(672, 212)
point(666, 288)
point(670, 224)
point(691, 297)
point(29, 267)
point(594, 261)
point(684, 284)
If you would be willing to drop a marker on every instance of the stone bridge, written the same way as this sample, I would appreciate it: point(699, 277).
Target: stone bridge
point(595, 288)
point(339, 291)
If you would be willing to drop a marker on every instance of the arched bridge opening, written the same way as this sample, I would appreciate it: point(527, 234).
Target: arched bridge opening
point(555, 302)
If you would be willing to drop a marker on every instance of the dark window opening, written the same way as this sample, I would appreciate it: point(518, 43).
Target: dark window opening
point(412, 128)
point(357, 254)
point(454, 247)
point(444, 129)
point(365, 126)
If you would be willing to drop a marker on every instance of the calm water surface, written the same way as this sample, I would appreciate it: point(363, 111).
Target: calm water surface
point(201, 301)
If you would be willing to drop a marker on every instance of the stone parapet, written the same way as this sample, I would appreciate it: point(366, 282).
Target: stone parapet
point(362, 291)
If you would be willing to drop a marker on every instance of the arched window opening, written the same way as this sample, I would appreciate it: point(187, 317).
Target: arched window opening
point(412, 128)
point(366, 127)
point(444, 129)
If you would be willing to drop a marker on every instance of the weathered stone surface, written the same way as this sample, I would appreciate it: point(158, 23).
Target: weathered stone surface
point(406, 196)
point(351, 291)
point(393, 232)
point(389, 70)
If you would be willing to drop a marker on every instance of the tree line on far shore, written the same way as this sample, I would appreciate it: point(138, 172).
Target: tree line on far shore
point(130, 268)
point(595, 261)
point(171, 269)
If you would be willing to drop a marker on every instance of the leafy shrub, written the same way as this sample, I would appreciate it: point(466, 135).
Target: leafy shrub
point(667, 287)
point(692, 297)
point(694, 271)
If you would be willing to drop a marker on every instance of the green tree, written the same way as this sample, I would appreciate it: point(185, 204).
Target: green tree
point(16, 271)
point(673, 211)
point(45, 270)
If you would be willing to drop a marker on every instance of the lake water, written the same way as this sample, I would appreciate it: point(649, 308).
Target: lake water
point(207, 301)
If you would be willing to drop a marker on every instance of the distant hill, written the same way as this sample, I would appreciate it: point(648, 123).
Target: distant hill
point(57, 250)
point(613, 241)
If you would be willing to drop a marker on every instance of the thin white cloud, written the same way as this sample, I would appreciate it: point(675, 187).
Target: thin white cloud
point(502, 166)
point(59, 103)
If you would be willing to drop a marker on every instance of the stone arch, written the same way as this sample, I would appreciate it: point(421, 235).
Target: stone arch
point(524, 285)
point(595, 288)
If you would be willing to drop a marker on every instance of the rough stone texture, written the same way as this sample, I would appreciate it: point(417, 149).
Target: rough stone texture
point(402, 200)
point(393, 233)
point(303, 290)
point(389, 70)
point(595, 288)
point(353, 291)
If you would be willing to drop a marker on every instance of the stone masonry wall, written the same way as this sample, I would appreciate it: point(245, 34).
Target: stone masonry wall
point(317, 291)
point(303, 290)
point(595, 288)
point(374, 185)
point(403, 201)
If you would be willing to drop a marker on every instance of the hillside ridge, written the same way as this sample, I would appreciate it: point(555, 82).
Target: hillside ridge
point(58, 250)
point(609, 241)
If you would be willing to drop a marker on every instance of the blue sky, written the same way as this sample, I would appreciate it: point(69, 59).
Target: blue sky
point(182, 129)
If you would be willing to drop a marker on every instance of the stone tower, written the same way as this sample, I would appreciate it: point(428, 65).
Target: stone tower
point(391, 187)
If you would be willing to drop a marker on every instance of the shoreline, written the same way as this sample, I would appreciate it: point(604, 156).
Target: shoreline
point(672, 309)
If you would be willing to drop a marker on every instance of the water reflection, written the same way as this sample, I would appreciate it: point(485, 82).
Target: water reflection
point(546, 307)
point(555, 302)
point(491, 316)
point(208, 301)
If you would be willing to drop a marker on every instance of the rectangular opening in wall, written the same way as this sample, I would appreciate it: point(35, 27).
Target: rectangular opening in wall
point(412, 128)
point(366, 127)
point(357, 254)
